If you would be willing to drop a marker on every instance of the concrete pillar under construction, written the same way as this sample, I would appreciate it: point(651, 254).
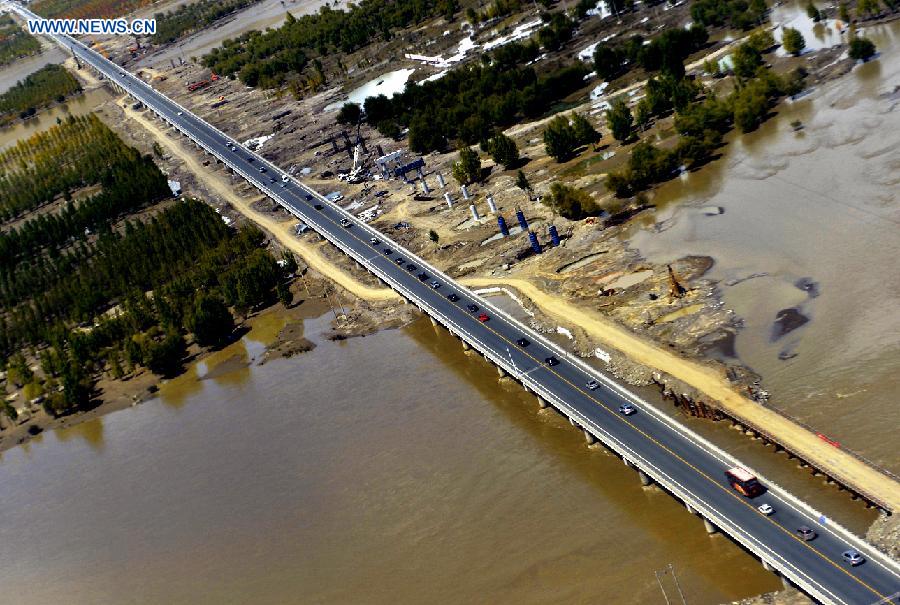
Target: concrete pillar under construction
point(465, 192)
point(784, 581)
point(466, 346)
point(474, 212)
point(710, 528)
point(449, 199)
point(491, 205)
point(425, 188)
point(589, 437)
point(433, 321)
point(440, 178)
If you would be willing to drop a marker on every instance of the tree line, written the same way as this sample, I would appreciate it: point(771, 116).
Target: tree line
point(52, 83)
point(472, 103)
point(269, 58)
point(189, 18)
point(15, 43)
point(702, 122)
point(79, 152)
point(86, 9)
point(128, 298)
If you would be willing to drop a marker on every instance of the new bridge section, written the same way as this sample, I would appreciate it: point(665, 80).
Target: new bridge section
point(661, 449)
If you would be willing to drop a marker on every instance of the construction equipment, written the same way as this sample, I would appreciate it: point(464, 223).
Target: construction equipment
point(676, 290)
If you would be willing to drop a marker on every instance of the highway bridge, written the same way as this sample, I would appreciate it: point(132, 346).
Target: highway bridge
point(660, 449)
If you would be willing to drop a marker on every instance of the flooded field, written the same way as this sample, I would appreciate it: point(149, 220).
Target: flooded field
point(77, 106)
point(390, 469)
point(22, 68)
point(809, 231)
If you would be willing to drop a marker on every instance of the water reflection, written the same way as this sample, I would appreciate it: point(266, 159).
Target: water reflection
point(819, 206)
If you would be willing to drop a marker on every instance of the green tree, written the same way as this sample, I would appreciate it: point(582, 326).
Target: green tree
point(747, 60)
point(164, 357)
point(559, 139)
point(761, 40)
point(283, 291)
point(620, 121)
point(503, 151)
point(793, 41)
point(572, 203)
point(467, 169)
point(643, 114)
point(844, 12)
point(585, 133)
point(861, 49)
point(210, 320)
point(522, 182)
point(812, 12)
point(350, 113)
point(609, 61)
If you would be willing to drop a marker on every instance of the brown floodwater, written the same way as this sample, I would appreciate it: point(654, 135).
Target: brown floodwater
point(82, 104)
point(810, 222)
point(388, 469)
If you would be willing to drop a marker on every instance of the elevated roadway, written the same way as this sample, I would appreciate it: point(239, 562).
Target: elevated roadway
point(659, 448)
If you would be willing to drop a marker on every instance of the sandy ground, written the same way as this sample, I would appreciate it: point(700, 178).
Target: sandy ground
point(280, 229)
point(711, 382)
point(708, 380)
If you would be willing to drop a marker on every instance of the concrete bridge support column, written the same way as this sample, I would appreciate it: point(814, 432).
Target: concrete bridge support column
point(645, 479)
point(690, 508)
point(501, 372)
point(784, 581)
point(589, 437)
point(433, 321)
point(541, 403)
point(466, 346)
point(710, 528)
point(767, 567)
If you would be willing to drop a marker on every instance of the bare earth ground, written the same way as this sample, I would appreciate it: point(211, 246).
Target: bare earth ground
point(633, 315)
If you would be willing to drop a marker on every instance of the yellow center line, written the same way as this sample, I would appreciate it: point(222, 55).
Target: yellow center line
point(649, 437)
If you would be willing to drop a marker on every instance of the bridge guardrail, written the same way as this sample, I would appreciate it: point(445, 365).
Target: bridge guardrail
point(609, 440)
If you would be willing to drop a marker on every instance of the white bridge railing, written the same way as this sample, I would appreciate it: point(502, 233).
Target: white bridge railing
point(145, 93)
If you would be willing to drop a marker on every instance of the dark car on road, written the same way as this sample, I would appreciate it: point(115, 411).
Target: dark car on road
point(388, 251)
point(452, 297)
point(318, 206)
point(410, 267)
point(423, 276)
point(551, 361)
point(472, 308)
point(523, 342)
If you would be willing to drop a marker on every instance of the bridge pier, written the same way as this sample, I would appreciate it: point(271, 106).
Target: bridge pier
point(466, 346)
point(541, 403)
point(767, 567)
point(645, 479)
point(710, 528)
point(689, 508)
point(784, 581)
point(589, 437)
point(501, 372)
point(433, 321)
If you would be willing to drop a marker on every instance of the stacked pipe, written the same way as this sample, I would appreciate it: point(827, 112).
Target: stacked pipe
point(535, 244)
point(554, 235)
point(501, 222)
point(521, 217)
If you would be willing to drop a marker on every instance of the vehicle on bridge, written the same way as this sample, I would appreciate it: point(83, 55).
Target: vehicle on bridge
point(744, 482)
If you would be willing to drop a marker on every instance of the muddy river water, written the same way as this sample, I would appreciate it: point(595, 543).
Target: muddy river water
point(811, 222)
point(390, 469)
